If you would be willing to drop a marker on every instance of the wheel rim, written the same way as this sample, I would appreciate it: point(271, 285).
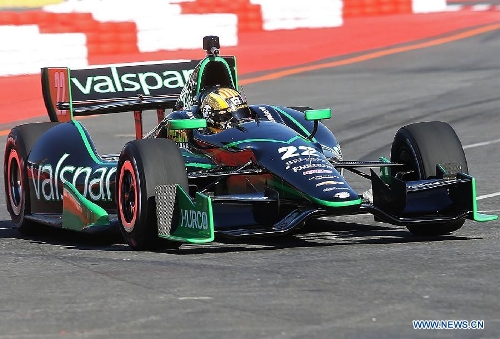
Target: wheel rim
point(128, 196)
point(406, 155)
point(15, 182)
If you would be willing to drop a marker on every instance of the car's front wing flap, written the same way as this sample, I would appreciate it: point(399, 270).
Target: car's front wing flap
point(182, 219)
point(425, 201)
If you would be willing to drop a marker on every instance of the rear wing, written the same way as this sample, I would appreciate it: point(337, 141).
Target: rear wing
point(113, 88)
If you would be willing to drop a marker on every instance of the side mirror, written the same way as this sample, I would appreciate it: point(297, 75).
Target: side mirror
point(187, 124)
point(316, 115)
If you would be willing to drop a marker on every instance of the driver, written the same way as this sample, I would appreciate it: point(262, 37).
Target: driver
point(223, 108)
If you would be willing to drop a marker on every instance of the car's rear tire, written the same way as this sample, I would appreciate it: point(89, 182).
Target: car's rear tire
point(143, 165)
point(20, 141)
point(420, 147)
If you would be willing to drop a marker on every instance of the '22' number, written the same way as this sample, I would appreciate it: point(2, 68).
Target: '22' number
point(292, 151)
point(60, 85)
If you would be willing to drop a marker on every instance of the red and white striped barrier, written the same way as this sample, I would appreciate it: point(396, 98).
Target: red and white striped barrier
point(69, 32)
point(27, 49)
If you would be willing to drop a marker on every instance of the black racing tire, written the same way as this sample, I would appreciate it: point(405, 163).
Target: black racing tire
point(20, 141)
point(420, 147)
point(143, 165)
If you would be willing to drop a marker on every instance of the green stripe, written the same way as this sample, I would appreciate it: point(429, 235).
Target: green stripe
point(196, 164)
point(306, 132)
point(86, 142)
point(236, 74)
point(336, 203)
point(261, 140)
point(210, 59)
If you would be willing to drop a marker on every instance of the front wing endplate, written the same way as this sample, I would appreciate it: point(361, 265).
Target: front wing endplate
point(476, 215)
point(182, 219)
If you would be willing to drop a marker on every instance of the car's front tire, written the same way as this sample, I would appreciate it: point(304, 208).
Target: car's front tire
point(420, 147)
point(143, 165)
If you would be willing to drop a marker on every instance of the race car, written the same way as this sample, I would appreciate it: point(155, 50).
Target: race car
point(216, 165)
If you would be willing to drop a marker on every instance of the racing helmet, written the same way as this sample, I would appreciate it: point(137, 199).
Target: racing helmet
point(223, 108)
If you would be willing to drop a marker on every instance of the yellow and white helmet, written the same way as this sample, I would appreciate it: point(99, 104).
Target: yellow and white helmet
point(224, 107)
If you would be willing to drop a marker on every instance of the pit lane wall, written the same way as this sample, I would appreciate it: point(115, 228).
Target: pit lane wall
point(68, 32)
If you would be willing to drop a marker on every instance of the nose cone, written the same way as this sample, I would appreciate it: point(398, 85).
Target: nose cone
point(325, 186)
point(305, 169)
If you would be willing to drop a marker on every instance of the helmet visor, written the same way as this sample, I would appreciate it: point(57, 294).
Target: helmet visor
point(242, 113)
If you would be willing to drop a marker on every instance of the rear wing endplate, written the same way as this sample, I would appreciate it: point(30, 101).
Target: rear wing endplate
point(113, 88)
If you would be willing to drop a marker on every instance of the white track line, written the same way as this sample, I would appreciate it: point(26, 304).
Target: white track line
point(479, 144)
point(491, 195)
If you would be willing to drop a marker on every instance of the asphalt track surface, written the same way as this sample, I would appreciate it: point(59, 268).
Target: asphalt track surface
point(347, 277)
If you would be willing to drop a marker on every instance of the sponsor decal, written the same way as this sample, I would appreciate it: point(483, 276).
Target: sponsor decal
point(329, 183)
point(266, 113)
point(143, 82)
point(306, 166)
point(336, 188)
point(127, 80)
point(322, 177)
point(289, 163)
point(337, 152)
point(342, 195)
point(179, 136)
point(61, 91)
point(96, 181)
point(292, 151)
point(236, 101)
point(316, 171)
point(194, 219)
